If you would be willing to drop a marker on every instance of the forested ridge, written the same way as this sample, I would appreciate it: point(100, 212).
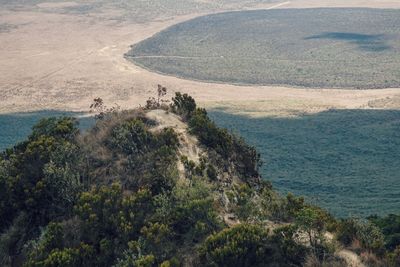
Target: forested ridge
point(162, 185)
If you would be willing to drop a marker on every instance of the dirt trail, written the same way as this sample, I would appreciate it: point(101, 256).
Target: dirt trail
point(351, 258)
point(189, 145)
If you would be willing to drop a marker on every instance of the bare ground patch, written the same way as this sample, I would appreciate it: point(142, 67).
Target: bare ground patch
point(63, 61)
point(57, 4)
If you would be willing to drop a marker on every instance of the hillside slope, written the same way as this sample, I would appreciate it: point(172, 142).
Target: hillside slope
point(155, 186)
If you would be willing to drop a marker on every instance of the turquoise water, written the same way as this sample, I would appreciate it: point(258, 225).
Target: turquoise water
point(15, 127)
point(346, 161)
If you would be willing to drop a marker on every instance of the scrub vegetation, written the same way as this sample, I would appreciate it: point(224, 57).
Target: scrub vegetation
point(328, 48)
point(129, 192)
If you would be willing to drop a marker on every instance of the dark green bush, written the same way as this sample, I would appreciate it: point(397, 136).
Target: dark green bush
point(131, 137)
point(241, 245)
point(183, 104)
point(347, 231)
point(229, 147)
point(390, 227)
point(369, 235)
point(63, 127)
point(293, 252)
point(40, 176)
point(139, 157)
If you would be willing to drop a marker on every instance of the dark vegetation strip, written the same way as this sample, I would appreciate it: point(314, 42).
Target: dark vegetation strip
point(330, 48)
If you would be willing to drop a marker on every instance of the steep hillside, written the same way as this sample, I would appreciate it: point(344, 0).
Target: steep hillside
point(157, 186)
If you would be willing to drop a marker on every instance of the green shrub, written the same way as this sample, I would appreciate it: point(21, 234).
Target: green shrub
point(347, 231)
point(369, 235)
point(293, 252)
point(50, 251)
point(390, 227)
point(13, 238)
point(230, 147)
point(131, 137)
point(194, 215)
point(174, 262)
point(40, 176)
point(183, 104)
point(393, 257)
point(312, 222)
point(158, 239)
point(272, 205)
point(114, 198)
point(242, 200)
point(293, 205)
point(212, 172)
point(63, 127)
point(138, 156)
point(241, 245)
point(68, 257)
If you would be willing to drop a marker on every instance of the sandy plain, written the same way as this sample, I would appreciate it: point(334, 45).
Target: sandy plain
point(61, 55)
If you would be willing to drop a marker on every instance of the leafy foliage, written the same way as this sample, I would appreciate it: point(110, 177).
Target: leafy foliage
point(116, 197)
point(137, 156)
point(39, 177)
point(292, 251)
point(183, 104)
point(312, 222)
point(390, 227)
point(227, 146)
point(241, 245)
point(244, 205)
point(253, 245)
point(369, 235)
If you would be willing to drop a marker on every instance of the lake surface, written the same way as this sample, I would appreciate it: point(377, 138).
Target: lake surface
point(347, 161)
point(15, 127)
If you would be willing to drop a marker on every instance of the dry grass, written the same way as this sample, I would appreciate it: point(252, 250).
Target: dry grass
point(370, 259)
point(313, 261)
point(50, 60)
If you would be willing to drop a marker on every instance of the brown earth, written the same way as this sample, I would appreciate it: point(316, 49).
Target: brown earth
point(62, 60)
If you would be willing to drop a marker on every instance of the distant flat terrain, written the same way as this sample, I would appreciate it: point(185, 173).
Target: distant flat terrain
point(323, 47)
point(59, 55)
point(347, 161)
